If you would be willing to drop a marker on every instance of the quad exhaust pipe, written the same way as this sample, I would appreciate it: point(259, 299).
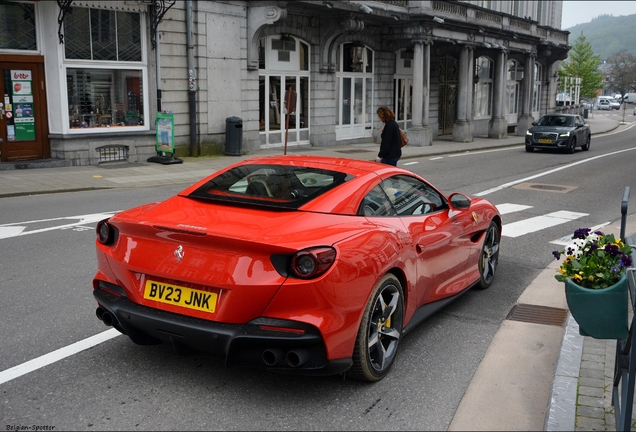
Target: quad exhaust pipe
point(106, 317)
point(293, 358)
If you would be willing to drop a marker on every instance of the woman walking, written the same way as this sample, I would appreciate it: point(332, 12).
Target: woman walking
point(391, 145)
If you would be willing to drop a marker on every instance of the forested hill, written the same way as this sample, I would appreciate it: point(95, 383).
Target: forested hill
point(607, 34)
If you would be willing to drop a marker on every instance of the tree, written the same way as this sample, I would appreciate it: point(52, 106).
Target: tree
point(623, 71)
point(583, 63)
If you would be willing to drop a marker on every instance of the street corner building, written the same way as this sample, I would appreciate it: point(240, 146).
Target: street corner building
point(93, 82)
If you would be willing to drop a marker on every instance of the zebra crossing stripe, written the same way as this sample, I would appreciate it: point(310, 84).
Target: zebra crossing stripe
point(511, 208)
point(538, 223)
point(567, 239)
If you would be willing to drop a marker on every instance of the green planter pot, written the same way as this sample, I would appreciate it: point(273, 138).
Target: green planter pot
point(600, 313)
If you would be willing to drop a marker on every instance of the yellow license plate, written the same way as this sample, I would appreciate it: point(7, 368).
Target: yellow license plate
point(181, 296)
point(545, 140)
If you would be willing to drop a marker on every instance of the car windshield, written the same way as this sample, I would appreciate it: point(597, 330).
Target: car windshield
point(556, 120)
point(273, 185)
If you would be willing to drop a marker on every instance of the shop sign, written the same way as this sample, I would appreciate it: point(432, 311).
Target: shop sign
point(24, 120)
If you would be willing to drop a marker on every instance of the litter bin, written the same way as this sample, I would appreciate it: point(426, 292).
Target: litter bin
point(585, 113)
point(233, 136)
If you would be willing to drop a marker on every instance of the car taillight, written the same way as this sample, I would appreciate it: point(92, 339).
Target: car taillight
point(106, 233)
point(311, 263)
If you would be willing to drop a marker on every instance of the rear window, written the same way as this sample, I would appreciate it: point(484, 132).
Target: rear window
point(272, 185)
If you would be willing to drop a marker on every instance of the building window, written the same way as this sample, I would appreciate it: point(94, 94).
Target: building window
point(17, 26)
point(483, 87)
point(96, 34)
point(536, 96)
point(403, 87)
point(515, 75)
point(105, 70)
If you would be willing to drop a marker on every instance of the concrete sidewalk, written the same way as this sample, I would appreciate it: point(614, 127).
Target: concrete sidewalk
point(532, 377)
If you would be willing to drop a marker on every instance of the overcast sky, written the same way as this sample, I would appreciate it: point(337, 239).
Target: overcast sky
point(578, 12)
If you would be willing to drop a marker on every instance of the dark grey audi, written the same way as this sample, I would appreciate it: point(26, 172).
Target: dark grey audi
point(559, 131)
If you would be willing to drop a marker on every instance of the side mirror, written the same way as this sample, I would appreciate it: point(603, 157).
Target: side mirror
point(459, 201)
point(534, 123)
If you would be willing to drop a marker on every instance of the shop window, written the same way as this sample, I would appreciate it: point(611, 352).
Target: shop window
point(101, 92)
point(17, 26)
point(104, 98)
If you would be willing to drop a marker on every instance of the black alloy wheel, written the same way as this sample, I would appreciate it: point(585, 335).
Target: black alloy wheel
point(380, 331)
point(586, 146)
point(572, 146)
point(489, 257)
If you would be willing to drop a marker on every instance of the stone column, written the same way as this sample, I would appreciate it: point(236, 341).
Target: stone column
point(526, 118)
point(461, 129)
point(498, 126)
point(420, 133)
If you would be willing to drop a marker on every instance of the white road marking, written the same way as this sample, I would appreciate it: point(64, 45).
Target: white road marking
point(538, 223)
point(57, 355)
point(436, 158)
point(566, 240)
point(18, 228)
point(469, 152)
point(12, 231)
point(410, 163)
point(511, 208)
point(507, 185)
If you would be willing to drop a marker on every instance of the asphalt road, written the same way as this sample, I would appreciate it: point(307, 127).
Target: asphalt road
point(47, 304)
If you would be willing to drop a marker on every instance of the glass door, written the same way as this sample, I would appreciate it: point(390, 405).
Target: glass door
point(355, 96)
point(23, 123)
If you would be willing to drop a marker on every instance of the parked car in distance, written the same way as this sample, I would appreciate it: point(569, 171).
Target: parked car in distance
point(630, 98)
point(607, 103)
point(559, 131)
point(294, 264)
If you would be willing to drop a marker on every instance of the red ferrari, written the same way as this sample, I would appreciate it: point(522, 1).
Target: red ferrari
point(298, 264)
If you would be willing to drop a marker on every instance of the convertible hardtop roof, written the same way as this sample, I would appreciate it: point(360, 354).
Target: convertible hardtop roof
point(356, 177)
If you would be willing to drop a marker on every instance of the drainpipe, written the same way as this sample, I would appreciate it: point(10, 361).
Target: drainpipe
point(192, 83)
point(158, 61)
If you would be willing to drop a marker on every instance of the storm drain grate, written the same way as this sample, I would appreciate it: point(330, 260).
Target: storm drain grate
point(538, 314)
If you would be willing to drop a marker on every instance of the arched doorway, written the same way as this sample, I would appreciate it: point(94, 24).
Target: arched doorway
point(448, 77)
point(355, 96)
point(283, 67)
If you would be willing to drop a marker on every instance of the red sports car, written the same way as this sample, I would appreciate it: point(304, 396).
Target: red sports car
point(299, 264)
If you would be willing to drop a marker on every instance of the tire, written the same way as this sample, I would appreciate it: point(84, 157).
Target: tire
point(380, 331)
point(529, 148)
point(586, 146)
point(489, 257)
point(572, 147)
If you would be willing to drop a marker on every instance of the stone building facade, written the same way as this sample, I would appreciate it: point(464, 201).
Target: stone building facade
point(93, 75)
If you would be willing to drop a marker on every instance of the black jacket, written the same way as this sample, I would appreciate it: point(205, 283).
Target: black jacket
point(391, 145)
